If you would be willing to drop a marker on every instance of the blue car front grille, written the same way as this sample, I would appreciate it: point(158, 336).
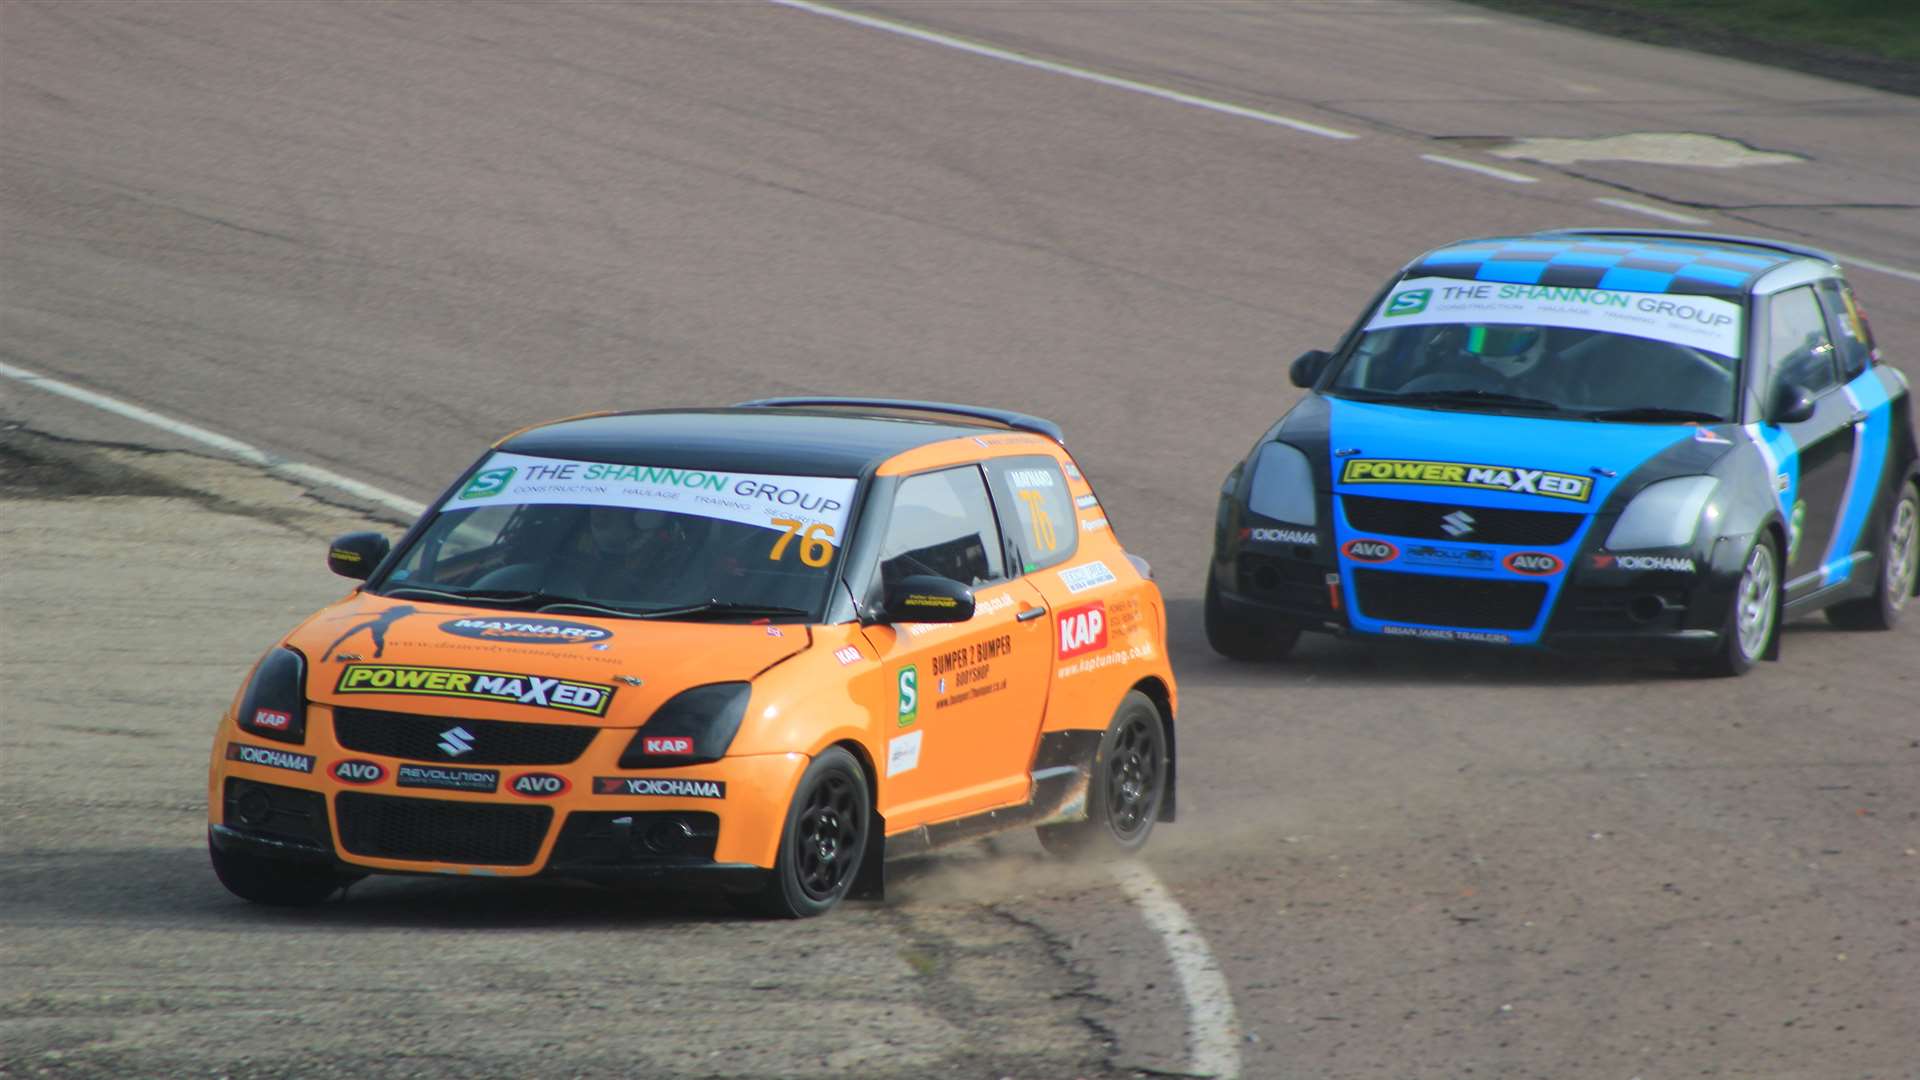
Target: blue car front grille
point(1437, 600)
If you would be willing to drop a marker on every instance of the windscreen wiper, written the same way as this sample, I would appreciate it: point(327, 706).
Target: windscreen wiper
point(513, 598)
point(1469, 397)
point(723, 608)
point(1654, 412)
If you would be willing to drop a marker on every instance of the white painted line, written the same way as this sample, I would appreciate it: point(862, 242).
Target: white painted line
point(1848, 260)
point(1069, 70)
point(311, 475)
point(1213, 1033)
point(1484, 170)
point(1651, 211)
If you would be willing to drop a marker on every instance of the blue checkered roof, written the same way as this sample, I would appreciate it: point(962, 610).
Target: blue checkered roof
point(1627, 264)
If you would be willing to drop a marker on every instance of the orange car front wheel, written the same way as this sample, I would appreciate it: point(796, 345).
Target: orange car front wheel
point(824, 838)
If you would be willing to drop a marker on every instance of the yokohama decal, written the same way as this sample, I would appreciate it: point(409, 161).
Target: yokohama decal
point(272, 759)
point(672, 789)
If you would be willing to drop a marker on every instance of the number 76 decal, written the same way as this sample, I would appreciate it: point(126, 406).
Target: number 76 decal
point(816, 543)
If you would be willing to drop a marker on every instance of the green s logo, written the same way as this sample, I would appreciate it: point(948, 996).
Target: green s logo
point(487, 483)
point(1411, 302)
point(909, 695)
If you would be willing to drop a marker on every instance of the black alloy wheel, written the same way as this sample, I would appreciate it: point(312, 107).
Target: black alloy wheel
point(824, 839)
point(1128, 784)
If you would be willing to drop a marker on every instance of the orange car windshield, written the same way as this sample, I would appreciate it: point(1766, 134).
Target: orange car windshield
point(543, 534)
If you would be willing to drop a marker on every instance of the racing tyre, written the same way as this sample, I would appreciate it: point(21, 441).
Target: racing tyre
point(1753, 618)
point(272, 882)
point(1124, 795)
point(823, 841)
point(1242, 639)
point(1899, 566)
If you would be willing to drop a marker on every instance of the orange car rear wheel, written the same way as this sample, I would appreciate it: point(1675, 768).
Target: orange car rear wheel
point(824, 839)
point(1129, 781)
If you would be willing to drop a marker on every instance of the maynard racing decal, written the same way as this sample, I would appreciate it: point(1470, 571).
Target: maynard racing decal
point(525, 632)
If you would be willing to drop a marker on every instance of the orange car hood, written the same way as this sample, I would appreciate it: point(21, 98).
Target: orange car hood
point(374, 652)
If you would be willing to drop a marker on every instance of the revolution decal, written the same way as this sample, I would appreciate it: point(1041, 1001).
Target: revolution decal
point(763, 500)
point(272, 759)
point(1552, 485)
point(1700, 322)
point(568, 695)
point(526, 631)
point(447, 777)
point(674, 788)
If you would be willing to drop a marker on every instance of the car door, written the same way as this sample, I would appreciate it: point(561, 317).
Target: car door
point(1872, 420)
point(966, 698)
point(1814, 456)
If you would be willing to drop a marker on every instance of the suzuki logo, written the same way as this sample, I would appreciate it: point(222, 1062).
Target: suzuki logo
point(1458, 523)
point(456, 741)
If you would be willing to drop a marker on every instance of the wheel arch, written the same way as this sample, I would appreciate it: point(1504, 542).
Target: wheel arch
point(871, 880)
point(1161, 695)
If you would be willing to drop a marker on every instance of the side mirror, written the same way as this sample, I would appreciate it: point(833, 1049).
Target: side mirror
point(356, 554)
point(923, 598)
point(1308, 366)
point(1791, 404)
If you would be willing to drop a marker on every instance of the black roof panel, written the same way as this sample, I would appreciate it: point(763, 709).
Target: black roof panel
point(794, 442)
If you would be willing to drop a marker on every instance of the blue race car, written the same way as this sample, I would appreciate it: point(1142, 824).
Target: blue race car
point(1595, 440)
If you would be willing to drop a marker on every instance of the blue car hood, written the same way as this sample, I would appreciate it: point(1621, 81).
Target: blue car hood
point(1483, 459)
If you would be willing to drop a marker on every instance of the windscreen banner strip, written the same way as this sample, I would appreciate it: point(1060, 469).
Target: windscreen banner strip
point(757, 499)
point(1700, 322)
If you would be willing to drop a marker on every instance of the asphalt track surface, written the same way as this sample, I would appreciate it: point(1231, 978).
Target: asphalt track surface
point(371, 237)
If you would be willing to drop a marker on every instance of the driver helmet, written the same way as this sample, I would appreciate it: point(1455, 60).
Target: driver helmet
point(617, 530)
point(1509, 349)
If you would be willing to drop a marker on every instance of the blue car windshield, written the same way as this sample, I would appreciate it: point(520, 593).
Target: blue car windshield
point(1589, 352)
point(1550, 369)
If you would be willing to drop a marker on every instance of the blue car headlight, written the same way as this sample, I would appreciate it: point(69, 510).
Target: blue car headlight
point(1665, 514)
point(1283, 485)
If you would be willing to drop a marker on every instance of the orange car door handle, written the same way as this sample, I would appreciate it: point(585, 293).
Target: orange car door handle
point(1031, 614)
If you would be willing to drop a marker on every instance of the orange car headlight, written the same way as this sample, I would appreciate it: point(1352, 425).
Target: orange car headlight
point(275, 704)
point(694, 726)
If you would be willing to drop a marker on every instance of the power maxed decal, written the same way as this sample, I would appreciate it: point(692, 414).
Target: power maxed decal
point(567, 695)
point(1552, 485)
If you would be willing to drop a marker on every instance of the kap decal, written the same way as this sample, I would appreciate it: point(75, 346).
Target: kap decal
point(847, 654)
point(539, 785)
point(1552, 485)
point(447, 777)
point(1138, 651)
point(357, 772)
point(272, 759)
point(526, 632)
point(666, 745)
point(1369, 551)
point(660, 786)
point(1083, 629)
point(271, 720)
point(1533, 563)
point(566, 695)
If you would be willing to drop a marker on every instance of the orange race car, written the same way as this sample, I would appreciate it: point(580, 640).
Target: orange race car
point(758, 648)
